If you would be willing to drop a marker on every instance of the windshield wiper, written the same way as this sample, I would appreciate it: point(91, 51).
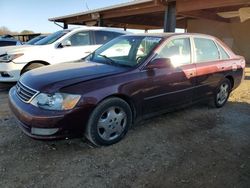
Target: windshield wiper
point(111, 61)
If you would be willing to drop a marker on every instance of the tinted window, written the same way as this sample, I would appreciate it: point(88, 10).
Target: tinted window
point(102, 37)
point(178, 50)
point(7, 43)
point(223, 54)
point(80, 39)
point(205, 50)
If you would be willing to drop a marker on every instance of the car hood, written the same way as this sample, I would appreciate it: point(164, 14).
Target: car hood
point(11, 49)
point(21, 49)
point(54, 77)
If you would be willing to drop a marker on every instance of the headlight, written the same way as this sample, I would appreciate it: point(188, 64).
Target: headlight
point(57, 101)
point(9, 57)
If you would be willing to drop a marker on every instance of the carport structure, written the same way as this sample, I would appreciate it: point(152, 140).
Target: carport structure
point(227, 19)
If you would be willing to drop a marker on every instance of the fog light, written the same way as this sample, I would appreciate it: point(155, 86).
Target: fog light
point(43, 132)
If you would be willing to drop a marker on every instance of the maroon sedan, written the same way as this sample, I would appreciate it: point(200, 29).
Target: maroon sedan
point(130, 78)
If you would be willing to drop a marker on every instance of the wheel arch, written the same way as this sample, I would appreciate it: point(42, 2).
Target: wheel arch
point(127, 99)
point(231, 79)
point(36, 61)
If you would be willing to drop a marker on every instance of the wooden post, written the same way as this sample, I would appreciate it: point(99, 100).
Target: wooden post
point(65, 26)
point(100, 22)
point(170, 18)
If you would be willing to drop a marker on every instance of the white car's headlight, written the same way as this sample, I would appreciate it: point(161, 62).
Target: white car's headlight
point(57, 101)
point(9, 57)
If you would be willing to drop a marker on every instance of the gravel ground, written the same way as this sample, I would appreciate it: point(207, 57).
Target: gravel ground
point(195, 147)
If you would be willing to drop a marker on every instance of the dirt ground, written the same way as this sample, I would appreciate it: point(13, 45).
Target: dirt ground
point(195, 147)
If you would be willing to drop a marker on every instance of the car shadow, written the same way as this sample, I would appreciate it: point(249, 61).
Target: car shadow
point(247, 77)
point(6, 86)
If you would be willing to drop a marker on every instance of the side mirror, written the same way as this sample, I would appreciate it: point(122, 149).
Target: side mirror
point(65, 43)
point(160, 63)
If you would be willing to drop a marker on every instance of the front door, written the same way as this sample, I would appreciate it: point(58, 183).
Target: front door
point(172, 85)
point(80, 45)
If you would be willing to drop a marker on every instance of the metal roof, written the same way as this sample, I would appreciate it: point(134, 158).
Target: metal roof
point(150, 14)
point(135, 2)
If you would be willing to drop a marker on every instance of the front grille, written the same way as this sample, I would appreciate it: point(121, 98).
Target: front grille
point(25, 93)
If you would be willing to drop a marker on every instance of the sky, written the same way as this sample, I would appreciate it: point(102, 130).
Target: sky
point(19, 15)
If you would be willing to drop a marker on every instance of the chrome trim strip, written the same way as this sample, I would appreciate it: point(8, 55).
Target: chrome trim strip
point(33, 95)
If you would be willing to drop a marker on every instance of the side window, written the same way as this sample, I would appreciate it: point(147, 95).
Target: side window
point(102, 37)
point(80, 39)
point(223, 54)
point(178, 50)
point(205, 50)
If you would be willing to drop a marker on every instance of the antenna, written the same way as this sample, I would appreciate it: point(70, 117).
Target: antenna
point(86, 4)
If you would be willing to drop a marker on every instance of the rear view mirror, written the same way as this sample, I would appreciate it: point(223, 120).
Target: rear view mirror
point(65, 43)
point(160, 63)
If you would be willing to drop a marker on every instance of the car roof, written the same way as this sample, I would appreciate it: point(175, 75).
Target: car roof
point(167, 35)
point(93, 28)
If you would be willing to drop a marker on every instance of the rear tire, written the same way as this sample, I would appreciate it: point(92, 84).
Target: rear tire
point(31, 66)
point(109, 122)
point(222, 93)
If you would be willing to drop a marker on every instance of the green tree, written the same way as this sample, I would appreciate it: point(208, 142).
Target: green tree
point(27, 32)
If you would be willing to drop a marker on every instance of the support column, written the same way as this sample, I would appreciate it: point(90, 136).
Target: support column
point(65, 26)
point(170, 18)
point(100, 22)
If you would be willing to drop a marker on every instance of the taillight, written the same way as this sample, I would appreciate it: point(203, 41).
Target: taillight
point(243, 63)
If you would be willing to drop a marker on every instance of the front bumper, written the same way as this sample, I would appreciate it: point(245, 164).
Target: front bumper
point(10, 72)
point(67, 123)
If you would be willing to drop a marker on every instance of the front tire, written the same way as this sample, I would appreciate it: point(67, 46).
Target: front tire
point(222, 93)
point(109, 122)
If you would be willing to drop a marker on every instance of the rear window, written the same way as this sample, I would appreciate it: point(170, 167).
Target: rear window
point(206, 50)
point(80, 39)
point(223, 53)
point(102, 37)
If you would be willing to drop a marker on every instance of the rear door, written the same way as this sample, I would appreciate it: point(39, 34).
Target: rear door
point(171, 86)
point(209, 66)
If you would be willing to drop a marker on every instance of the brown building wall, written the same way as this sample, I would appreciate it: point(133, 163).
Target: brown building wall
point(236, 35)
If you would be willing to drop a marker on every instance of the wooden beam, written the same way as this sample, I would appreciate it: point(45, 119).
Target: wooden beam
point(204, 14)
point(130, 12)
point(130, 25)
point(192, 5)
point(116, 13)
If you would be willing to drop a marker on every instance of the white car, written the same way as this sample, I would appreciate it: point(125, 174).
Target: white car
point(61, 46)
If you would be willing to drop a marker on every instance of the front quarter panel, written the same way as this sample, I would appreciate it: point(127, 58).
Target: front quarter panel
point(130, 85)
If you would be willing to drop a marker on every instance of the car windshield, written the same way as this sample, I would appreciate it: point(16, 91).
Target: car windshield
point(52, 38)
point(126, 50)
